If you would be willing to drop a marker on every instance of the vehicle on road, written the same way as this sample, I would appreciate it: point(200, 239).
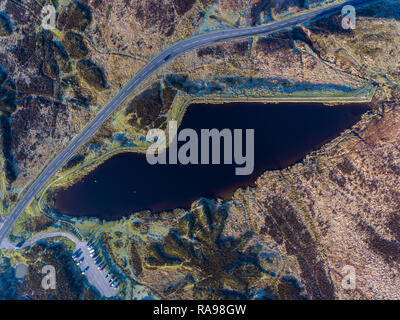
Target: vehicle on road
point(77, 253)
point(85, 270)
point(114, 283)
point(80, 261)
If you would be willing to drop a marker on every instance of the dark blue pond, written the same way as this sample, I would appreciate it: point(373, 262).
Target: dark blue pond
point(284, 134)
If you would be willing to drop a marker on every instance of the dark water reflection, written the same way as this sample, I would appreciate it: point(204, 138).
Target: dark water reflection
point(284, 134)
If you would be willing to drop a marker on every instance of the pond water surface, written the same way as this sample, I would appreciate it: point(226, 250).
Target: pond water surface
point(284, 134)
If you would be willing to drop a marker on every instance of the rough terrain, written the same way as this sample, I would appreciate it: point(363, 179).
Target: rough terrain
point(289, 236)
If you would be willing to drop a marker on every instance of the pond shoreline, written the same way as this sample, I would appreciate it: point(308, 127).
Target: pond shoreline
point(222, 192)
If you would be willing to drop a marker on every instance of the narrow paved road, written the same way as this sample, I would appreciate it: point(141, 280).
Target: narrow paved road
point(48, 235)
point(165, 57)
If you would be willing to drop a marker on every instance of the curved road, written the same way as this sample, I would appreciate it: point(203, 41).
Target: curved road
point(166, 56)
point(48, 235)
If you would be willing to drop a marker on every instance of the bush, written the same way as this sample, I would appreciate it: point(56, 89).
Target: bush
point(75, 45)
point(5, 25)
point(75, 16)
point(92, 74)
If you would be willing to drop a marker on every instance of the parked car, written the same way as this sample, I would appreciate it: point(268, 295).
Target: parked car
point(85, 270)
